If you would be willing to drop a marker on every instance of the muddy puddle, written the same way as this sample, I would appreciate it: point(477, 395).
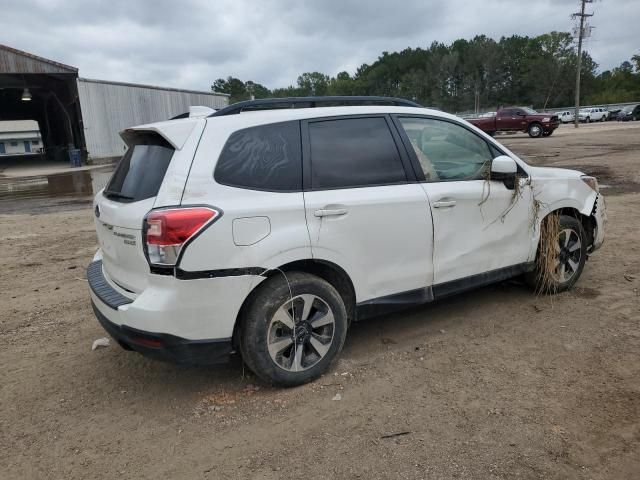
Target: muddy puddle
point(59, 190)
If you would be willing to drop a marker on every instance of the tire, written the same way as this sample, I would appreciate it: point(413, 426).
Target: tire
point(270, 337)
point(547, 133)
point(562, 279)
point(603, 119)
point(587, 120)
point(535, 130)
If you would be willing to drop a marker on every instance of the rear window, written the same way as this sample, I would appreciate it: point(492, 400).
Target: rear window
point(141, 170)
point(266, 157)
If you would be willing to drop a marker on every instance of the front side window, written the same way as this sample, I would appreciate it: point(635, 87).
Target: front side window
point(266, 157)
point(447, 151)
point(353, 152)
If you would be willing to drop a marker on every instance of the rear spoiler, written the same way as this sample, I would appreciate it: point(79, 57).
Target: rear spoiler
point(176, 133)
point(195, 111)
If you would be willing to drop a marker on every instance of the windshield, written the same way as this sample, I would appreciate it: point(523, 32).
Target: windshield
point(529, 111)
point(628, 108)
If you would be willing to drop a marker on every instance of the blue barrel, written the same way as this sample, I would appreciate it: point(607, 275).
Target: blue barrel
point(74, 157)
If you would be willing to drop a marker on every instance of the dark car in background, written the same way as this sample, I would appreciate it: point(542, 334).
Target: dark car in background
point(518, 119)
point(629, 112)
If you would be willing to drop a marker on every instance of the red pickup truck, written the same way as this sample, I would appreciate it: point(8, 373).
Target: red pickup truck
point(518, 119)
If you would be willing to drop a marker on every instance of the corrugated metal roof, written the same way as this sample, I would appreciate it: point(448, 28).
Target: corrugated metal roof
point(18, 126)
point(13, 60)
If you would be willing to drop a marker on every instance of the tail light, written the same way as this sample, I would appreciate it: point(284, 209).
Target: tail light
point(167, 231)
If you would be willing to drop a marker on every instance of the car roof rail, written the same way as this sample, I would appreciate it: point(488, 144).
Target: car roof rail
point(310, 102)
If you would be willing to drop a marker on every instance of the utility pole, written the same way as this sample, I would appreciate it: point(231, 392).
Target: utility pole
point(581, 34)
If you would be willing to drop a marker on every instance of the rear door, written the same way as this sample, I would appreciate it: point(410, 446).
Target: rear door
point(365, 211)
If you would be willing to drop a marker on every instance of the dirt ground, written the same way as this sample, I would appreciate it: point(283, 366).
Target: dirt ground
point(493, 384)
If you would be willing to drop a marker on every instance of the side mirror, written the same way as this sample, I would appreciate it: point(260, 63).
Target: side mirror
point(504, 168)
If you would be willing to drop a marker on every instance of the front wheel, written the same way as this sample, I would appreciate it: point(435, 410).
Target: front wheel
point(293, 329)
point(562, 252)
point(587, 120)
point(535, 130)
point(603, 119)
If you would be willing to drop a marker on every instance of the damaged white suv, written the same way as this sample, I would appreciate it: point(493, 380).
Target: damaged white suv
point(267, 230)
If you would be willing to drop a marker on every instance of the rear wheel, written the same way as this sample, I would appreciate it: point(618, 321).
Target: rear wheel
point(293, 329)
point(535, 130)
point(560, 269)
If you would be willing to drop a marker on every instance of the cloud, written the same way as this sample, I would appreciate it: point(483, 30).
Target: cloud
point(190, 43)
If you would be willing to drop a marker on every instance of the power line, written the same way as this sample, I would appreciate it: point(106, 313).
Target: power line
point(582, 32)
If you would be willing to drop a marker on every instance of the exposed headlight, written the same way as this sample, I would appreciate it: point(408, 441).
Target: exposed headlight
point(546, 119)
point(591, 181)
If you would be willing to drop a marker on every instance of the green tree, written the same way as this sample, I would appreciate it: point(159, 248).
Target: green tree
point(480, 73)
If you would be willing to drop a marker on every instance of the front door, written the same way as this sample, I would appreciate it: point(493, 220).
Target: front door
point(27, 146)
point(479, 225)
point(363, 211)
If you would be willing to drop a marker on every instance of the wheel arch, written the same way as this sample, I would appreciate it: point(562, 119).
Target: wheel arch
point(329, 271)
point(588, 222)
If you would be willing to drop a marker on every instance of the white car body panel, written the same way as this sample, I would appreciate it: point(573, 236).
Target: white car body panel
point(186, 309)
point(384, 240)
point(474, 236)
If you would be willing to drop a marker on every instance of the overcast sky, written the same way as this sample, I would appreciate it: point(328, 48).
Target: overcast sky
point(188, 44)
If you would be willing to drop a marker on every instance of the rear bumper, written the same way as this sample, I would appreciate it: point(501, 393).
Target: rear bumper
point(162, 346)
point(188, 322)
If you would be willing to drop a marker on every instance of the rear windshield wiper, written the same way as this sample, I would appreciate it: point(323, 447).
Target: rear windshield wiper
point(112, 194)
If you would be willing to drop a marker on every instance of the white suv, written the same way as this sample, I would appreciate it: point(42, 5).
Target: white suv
point(593, 114)
point(268, 232)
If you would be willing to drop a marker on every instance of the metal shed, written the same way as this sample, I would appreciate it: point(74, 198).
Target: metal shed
point(81, 113)
point(110, 107)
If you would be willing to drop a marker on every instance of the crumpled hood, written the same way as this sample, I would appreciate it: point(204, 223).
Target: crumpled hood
point(553, 172)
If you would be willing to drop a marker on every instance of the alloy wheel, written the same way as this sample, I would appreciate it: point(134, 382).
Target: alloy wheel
point(569, 251)
point(300, 333)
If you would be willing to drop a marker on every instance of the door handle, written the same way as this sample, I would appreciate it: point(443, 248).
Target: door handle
point(330, 212)
point(444, 204)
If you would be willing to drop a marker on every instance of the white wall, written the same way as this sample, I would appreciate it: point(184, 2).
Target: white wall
point(9, 139)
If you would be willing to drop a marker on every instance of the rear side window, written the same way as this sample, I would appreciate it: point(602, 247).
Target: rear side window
point(267, 157)
point(353, 152)
point(141, 170)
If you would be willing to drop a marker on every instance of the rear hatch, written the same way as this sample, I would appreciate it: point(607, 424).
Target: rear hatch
point(121, 207)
